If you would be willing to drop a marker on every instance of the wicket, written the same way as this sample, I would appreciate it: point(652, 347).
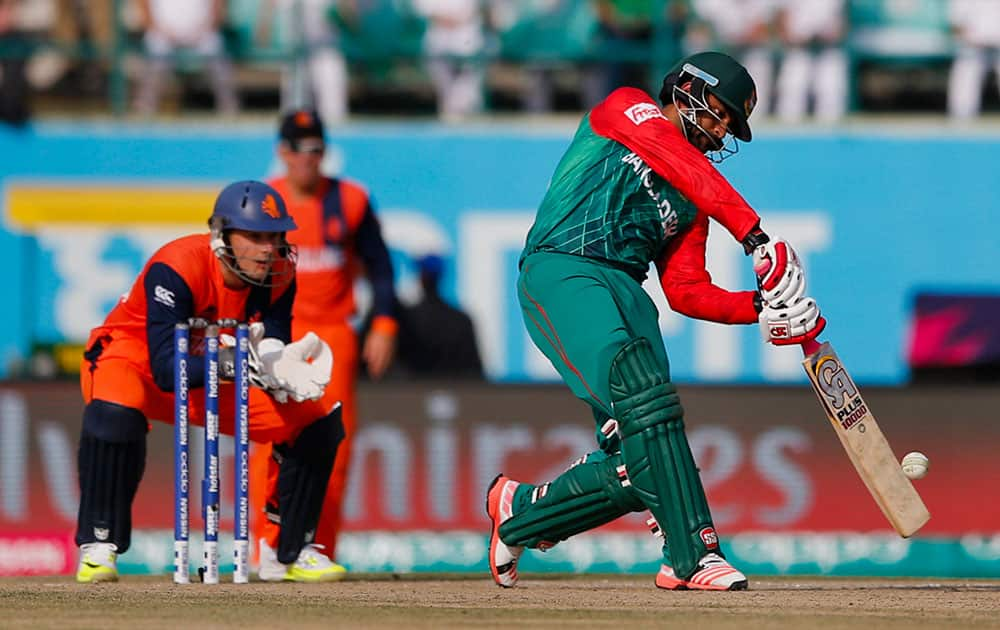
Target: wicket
point(210, 501)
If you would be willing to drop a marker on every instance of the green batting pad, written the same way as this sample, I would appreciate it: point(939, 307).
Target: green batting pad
point(657, 455)
point(586, 496)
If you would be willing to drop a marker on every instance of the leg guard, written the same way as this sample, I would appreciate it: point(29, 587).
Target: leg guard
point(303, 473)
point(110, 462)
point(657, 456)
point(586, 496)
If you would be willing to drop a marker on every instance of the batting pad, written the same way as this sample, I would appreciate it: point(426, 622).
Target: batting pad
point(657, 456)
point(584, 497)
point(110, 473)
point(304, 469)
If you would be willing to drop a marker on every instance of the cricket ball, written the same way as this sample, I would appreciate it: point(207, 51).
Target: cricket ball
point(915, 465)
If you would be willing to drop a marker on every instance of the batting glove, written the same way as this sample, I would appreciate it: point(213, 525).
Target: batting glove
point(795, 323)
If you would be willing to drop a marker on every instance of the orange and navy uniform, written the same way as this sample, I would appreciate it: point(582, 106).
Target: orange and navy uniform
point(338, 239)
point(130, 357)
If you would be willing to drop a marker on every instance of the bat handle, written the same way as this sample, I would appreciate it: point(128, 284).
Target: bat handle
point(810, 346)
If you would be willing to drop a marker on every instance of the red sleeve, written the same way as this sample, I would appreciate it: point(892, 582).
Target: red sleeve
point(688, 285)
point(630, 117)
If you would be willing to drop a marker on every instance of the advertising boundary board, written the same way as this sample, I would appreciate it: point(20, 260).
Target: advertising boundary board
point(785, 498)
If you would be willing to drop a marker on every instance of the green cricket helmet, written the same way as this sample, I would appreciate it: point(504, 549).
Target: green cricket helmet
point(717, 74)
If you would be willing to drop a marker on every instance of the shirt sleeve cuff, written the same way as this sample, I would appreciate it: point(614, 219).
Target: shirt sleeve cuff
point(385, 325)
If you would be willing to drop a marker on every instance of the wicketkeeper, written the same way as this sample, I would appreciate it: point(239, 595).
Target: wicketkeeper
point(243, 269)
point(635, 187)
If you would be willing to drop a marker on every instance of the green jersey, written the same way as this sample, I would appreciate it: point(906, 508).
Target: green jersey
point(631, 190)
point(605, 202)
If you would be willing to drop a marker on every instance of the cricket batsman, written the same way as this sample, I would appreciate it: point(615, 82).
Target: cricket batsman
point(244, 269)
point(634, 187)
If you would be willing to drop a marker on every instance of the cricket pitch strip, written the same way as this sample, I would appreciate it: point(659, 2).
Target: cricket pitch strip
point(539, 601)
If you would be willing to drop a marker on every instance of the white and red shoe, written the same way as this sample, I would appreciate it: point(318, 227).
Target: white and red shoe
point(713, 574)
point(503, 558)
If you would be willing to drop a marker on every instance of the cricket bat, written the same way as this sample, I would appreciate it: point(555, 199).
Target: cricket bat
point(862, 438)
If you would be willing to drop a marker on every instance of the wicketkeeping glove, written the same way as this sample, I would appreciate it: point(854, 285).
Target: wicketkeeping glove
point(258, 345)
point(302, 368)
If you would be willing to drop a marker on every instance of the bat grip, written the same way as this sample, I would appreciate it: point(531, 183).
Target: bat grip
point(810, 346)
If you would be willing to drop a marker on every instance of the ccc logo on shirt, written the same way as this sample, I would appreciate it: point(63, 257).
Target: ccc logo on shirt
point(164, 296)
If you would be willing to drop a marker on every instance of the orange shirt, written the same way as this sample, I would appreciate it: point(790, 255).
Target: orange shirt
point(183, 279)
point(338, 238)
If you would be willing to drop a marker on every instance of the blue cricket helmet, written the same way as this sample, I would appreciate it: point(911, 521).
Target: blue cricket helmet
point(252, 206)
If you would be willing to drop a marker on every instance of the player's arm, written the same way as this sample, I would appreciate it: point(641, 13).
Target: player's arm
point(379, 344)
point(690, 291)
point(277, 317)
point(169, 301)
point(374, 253)
point(688, 286)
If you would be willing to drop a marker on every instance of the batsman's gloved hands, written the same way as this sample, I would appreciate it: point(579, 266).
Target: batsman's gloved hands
point(793, 323)
point(779, 272)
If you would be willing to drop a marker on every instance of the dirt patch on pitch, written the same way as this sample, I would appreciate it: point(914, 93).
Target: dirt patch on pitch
point(440, 602)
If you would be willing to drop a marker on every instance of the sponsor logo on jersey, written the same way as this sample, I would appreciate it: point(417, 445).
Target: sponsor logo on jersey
point(163, 296)
point(642, 112)
point(709, 537)
point(270, 207)
point(326, 258)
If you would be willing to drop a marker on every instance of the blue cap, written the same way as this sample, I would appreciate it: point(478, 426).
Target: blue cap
point(252, 206)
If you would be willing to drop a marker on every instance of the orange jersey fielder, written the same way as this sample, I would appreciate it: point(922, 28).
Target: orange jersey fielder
point(338, 239)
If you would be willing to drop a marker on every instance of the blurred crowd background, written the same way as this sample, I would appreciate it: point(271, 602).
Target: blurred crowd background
point(458, 58)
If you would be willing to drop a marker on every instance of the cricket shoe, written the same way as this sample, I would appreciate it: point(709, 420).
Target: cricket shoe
point(98, 563)
point(499, 507)
point(310, 566)
point(713, 574)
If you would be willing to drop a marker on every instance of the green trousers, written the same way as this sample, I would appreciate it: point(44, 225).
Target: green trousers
point(580, 313)
point(600, 330)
